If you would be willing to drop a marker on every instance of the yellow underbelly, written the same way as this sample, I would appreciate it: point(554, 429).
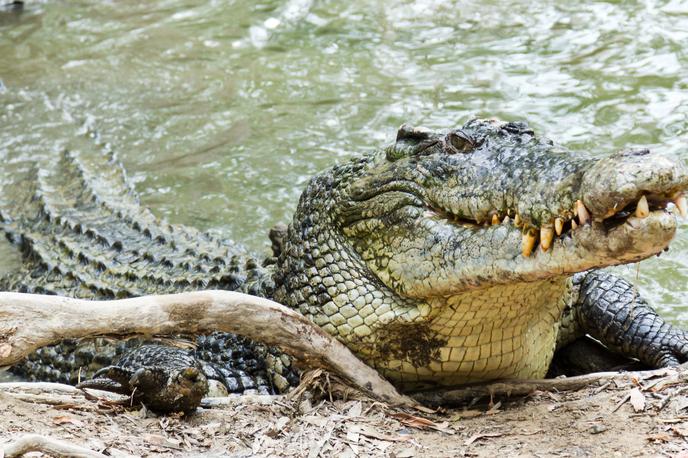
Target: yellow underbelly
point(506, 331)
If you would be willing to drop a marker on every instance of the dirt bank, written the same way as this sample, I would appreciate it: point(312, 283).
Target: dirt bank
point(635, 417)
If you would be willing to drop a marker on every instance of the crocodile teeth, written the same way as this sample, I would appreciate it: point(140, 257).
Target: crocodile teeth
point(528, 243)
point(682, 206)
point(546, 236)
point(642, 210)
point(495, 219)
point(517, 220)
point(574, 225)
point(583, 214)
point(558, 225)
point(505, 220)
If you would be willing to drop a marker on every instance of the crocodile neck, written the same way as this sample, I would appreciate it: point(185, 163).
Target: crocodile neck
point(481, 334)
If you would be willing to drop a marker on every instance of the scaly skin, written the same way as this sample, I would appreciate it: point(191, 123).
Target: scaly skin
point(435, 259)
point(164, 379)
point(410, 258)
point(83, 234)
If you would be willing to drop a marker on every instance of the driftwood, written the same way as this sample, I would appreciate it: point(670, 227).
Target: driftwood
point(51, 447)
point(52, 393)
point(29, 321)
point(507, 388)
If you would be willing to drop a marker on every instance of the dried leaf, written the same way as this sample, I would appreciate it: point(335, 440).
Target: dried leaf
point(315, 420)
point(162, 441)
point(278, 427)
point(466, 414)
point(679, 432)
point(680, 404)
point(355, 410)
point(371, 432)
point(421, 423)
point(481, 436)
point(67, 420)
point(281, 423)
point(315, 450)
point(661, 437)
point(494, 409)
point(637, 400)
point(406, 453)
point(353, 434)
point(96, 445)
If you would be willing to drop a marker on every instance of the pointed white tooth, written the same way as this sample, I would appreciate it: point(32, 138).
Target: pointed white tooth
point(583, 214)
point(506, 220)
point(558, 225)
point(574, 225)
point(528, 242)
point(495, 219)
point(546, 235)
point(642, 210)
point(517, 220)
point(682, 205)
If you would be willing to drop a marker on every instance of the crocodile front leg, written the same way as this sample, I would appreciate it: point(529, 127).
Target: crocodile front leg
point(111, 378)
point(610, 309)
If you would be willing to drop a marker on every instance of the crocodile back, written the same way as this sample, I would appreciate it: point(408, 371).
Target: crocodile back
point(81, 231)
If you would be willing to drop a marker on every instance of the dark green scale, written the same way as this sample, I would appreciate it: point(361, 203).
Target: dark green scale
point(83, 234)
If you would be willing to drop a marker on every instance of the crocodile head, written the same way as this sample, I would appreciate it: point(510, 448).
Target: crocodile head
point(492, 203)
point(445, 256)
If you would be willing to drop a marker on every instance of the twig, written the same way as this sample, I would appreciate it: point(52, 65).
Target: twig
point(461, 395)
point(55, 394)
point(51, 447)
point(29, 321)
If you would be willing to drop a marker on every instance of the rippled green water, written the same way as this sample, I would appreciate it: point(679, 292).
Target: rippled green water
point(221, 112)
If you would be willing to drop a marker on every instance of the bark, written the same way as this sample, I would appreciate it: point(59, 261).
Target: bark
point(51, 447)
point(28, 322)
point(507, 388)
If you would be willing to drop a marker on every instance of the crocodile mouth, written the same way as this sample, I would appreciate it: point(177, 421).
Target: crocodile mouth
point(543, 238)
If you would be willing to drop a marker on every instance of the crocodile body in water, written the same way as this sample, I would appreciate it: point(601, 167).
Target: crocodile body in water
point(443, 259)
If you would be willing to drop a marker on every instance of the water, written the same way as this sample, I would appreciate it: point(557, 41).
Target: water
point(221, 112)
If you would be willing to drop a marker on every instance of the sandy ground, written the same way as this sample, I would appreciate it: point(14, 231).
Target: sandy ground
point(636, 417)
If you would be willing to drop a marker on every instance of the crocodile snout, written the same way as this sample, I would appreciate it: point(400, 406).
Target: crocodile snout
point(634, 181)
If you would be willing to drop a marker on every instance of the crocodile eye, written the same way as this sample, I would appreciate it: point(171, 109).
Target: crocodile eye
point(458, 141)
point(418, 134)
point(411, 141)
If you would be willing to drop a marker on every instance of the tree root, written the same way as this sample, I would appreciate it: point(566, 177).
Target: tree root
point(52, 447)
point(508, 388)
point(52, 393)
point(29, 321)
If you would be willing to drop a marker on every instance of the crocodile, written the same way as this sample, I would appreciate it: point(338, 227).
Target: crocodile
point(164, 379)
point(442, 259)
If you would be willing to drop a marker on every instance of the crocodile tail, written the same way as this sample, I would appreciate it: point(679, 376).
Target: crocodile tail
point(83, 233)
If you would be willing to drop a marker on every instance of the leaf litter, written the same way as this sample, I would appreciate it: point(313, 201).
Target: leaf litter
point(326, 418)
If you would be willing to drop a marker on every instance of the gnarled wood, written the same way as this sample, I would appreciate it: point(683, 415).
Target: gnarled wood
point(506, 388)
point(30, 321)
point(47, 445)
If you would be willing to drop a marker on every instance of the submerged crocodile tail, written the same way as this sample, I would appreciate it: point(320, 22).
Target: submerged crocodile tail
point(82, 233)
